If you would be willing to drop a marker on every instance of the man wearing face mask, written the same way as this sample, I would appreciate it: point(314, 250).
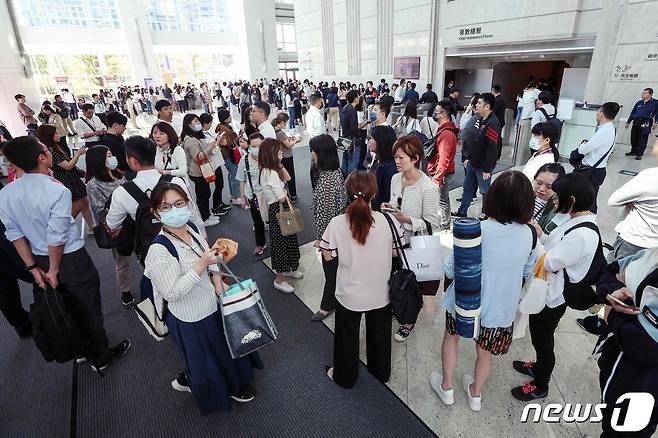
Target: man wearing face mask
point(441, 162)
point(140, 156)
point(113, 139)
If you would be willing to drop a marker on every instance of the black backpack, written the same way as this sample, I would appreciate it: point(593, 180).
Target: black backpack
point(145, 226)
point(57, 327)
point(554, 122)
point(405, 293)
point(581, 295)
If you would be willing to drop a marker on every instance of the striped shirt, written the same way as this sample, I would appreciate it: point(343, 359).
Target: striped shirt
point(191, 297)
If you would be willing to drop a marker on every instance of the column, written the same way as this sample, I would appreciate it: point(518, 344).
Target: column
point(15, 77)
point(605, 49)
point(385, 37)
point(137, 38)
point(353, 37)
point(327, 11)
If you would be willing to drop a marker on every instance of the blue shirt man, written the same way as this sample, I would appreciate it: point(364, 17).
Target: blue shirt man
point(411, 95)
point(36, 211)
point(643, 116)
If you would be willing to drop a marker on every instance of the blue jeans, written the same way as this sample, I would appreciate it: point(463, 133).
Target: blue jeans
point(292, 123)
point(352, 160)
point(472, 180)
point(149, 106)
point(233, 184)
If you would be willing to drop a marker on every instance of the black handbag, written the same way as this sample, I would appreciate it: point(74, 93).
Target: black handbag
point(405, 292)
point(102, 234)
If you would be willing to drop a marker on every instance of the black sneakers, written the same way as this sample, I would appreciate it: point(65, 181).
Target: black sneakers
point(181, 383)
point(118, 351)
point(246, 394)
point(457, 214)
point(524, 367)
point(221, 210)
point(592, 324)
point(529, 392)
point(127, 298)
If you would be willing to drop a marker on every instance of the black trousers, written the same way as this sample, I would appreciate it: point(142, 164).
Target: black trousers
point(289, 165)
point(11, 306)
point(638, 139)
point(73, 110)
point(78, 277)
point(330, 269)
point(596, 178)
point(259, 225)
point(346, 344)
point(219, 188)
point(202, 190)
point(542, 331)
point(315, 175)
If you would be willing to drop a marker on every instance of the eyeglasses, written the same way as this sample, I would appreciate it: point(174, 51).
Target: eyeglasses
point(164, 207)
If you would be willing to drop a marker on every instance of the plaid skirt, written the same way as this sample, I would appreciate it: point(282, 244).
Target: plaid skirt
point(495, 340)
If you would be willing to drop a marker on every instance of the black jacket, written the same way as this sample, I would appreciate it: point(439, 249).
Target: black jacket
point(499, 109)
point(483, 152)
point(349, 123)
point(429, 97)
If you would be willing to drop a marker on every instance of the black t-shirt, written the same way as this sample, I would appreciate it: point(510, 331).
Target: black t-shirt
point(499, 109)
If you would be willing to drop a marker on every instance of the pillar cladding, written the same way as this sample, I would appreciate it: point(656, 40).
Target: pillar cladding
point(327, 11)
point(468, 274)
point(385, 37)
point(353, 37)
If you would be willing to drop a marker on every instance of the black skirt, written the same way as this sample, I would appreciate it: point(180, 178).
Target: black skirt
point(284, 249)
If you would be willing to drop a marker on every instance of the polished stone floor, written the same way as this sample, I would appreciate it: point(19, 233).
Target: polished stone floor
point(575, 379)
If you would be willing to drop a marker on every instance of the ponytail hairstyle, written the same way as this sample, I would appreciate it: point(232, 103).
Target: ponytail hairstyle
point(361, 188)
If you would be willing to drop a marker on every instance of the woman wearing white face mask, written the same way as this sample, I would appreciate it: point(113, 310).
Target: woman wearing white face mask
point(198, 149)
point(247, 175)
point(543, 141)
point(186, 280)
point(102, 178)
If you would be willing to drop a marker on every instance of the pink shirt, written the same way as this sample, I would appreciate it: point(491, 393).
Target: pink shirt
point(363, 270)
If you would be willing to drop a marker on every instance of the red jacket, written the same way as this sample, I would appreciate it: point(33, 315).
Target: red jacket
point(442, 161)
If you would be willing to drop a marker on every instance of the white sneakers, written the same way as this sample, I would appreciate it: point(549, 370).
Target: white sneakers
point(294, 274)
point(447, 396)
point(211, 221)
point(284, 287)
point(475, 403)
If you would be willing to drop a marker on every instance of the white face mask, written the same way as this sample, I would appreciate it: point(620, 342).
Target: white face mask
point(534, 143)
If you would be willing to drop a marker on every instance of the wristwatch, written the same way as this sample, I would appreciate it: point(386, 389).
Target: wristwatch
point(32, 266)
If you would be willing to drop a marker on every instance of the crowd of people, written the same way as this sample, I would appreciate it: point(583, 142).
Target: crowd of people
point(380, 178)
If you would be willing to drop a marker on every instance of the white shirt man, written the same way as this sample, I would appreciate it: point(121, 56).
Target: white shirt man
point(267, 130)
point(88, 126)
point(399, 93)
point(530, 95)
point(314, 119)
point(599, 145)
point(68, 97)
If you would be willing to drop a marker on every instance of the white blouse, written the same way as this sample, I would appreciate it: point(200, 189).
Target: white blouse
point(190, 297)
point(536, 161)
point(175, 161)
point(419, 201)
point(271, 186)
point(572, 253)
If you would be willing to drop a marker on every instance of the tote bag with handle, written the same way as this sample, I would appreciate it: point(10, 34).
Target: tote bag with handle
point(290, 220)
point(533, 298)
point(205, 167)
point(425, 258)
point(247, 324)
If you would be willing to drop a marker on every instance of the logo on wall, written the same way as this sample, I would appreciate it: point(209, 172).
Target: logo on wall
point(624, 73)
point(473, 33)
point(651, 57)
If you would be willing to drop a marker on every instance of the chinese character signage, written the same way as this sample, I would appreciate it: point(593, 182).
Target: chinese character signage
point(473, 33)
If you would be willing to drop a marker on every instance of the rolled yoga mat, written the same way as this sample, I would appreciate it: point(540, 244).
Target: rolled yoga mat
point(468, 269)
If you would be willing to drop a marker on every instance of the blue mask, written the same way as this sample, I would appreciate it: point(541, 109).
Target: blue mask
point(111, 163)
point(253, 151)
point(196, 127)
point(176, 217)
point(373, 116)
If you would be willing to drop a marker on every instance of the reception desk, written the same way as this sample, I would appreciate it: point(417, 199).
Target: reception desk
point(580, 126)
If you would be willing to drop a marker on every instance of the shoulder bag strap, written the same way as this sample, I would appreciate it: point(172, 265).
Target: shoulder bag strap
point(534, 234)
point(606, 154)
point(251, 184)
point(396, 239)
point(87, 123)
point(162, 240)
point(136, 193)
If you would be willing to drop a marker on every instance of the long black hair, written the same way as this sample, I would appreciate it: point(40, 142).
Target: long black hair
point(187, 130)
point(325, 149)
point(385, 137)
point(95, 160)
point(547, 130)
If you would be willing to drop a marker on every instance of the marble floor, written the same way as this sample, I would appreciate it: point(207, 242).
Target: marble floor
point(575, 379)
